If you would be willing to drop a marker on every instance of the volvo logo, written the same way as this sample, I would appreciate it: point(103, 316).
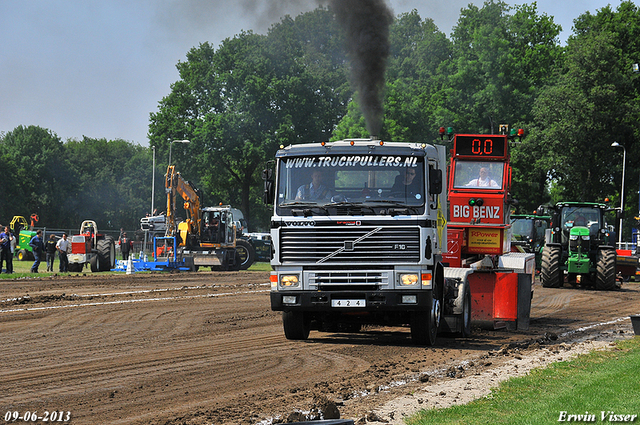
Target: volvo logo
point(309, 223)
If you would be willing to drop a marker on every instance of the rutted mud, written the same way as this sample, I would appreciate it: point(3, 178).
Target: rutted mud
point(202, 348)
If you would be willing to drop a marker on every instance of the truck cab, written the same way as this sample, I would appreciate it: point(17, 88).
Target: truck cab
point(358, 231)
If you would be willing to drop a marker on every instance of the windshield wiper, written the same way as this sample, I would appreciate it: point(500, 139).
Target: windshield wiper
point(298, 203)
point(347, 204)
point(310, 206)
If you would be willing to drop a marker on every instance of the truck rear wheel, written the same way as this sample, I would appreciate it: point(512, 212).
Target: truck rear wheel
point(246, 253)
point(466, 313)
point(106, 254)
point(550, 273)
point(606, 270)
point(296, 325)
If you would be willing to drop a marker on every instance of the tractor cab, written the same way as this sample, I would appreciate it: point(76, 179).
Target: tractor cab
point(217, 228)
point(528, 234)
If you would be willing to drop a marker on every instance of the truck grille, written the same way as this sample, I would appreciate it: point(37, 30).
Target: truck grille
point(350, 245)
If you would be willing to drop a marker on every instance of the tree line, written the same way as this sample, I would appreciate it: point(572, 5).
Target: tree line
point(239, 101)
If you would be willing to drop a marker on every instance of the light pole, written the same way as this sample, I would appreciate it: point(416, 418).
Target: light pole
point(176, 141)
point(153, 179)
point(624, 163)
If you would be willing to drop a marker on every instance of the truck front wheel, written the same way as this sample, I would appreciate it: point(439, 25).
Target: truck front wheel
point(296, 325)
point(424, 324)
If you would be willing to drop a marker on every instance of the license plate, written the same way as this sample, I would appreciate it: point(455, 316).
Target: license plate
point(348, 303)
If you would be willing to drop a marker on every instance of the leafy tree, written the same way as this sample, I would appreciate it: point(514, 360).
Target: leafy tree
point(239, 103)
point(35, 161)
point(111, 183)
point(592, 103)
point(499, 63)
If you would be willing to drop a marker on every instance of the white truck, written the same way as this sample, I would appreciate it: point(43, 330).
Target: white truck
point(363, 246)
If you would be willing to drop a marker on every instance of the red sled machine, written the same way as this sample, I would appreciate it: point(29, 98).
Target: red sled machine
point(479, 233)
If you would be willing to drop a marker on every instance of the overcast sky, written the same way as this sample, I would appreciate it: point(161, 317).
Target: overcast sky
point(99, 68)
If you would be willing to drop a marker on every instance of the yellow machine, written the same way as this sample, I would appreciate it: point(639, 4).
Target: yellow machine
point(208, 235)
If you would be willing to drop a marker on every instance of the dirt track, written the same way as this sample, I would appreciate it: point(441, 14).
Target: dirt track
point(205, 348)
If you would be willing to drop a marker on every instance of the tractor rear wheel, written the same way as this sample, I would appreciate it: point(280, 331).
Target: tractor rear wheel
point(106, 254)
point(606, 270)
point(550, 273)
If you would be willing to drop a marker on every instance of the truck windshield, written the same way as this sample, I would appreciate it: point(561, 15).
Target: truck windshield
point(327, 180)
point(473, 174)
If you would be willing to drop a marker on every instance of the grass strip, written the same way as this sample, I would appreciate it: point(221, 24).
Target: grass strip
point(595, 385)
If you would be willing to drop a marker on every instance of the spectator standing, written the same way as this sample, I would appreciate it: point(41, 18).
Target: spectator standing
point(63, 246)
point(6, 253)
point(50, 250)
point(126, 246)
point(37, 246)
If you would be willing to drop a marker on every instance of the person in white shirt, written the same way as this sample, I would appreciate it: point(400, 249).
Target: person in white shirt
point(63, 246)
point(484, 180)
point(315, 190)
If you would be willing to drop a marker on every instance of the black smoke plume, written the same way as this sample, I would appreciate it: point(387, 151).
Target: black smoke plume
point(366, 26)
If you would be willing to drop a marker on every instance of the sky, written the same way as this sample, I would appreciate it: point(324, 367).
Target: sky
point(98, 68)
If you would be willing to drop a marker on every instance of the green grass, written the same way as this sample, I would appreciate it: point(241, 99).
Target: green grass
point(23, 269)
point(260, 267)
point(599, 381)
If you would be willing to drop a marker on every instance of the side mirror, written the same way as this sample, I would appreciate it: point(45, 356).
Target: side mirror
point(269, 187)
point(435, 181)
point(540, 210)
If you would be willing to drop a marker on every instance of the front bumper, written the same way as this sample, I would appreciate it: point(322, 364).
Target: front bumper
point(333, 301)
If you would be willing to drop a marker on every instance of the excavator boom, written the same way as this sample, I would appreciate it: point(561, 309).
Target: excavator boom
point(175, 184)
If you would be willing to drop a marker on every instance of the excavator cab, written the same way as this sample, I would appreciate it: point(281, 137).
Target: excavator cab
point(212, 229)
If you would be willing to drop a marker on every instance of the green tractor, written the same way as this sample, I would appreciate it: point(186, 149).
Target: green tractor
point(581, 245)
point(24, 233)
point(528, 234)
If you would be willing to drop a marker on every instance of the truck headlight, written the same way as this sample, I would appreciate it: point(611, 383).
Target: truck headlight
point(408, 279)
point(289, 299)
point(586, 238)
point(289, 281)
point(573, 237)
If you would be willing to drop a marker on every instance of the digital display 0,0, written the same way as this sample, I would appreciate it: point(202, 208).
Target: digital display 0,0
point(480, 145)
